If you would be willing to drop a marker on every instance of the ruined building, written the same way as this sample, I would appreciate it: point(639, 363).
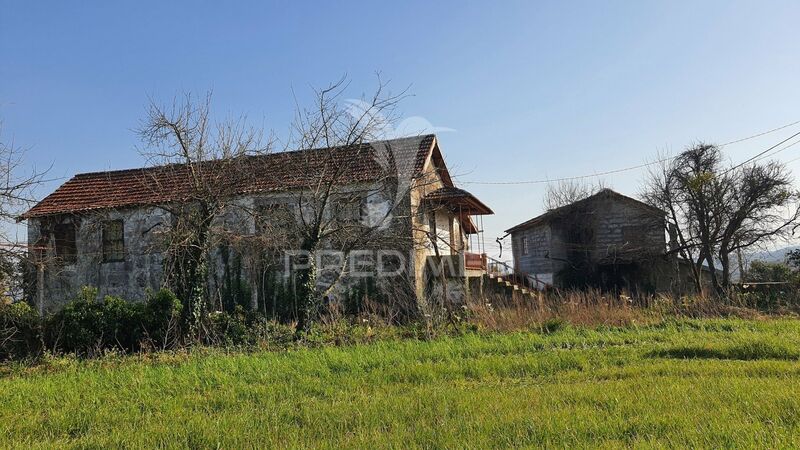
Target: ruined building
point(103, 229)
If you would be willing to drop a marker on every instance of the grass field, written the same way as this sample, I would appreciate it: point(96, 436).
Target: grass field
point(708, 383)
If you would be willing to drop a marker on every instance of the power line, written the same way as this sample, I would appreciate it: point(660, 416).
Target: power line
point(760, 134)
point(640, 166)
point(765, 151)
point(552, 180)
point(780, 150)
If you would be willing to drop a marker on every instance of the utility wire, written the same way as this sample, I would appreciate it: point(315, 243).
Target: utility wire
point(760, 134)
point(552, 180)
point(765, 152)
point(780, 150)
point(640, 166)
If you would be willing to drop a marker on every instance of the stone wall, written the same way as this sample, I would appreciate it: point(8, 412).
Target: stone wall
point(537, 261)
point(627, 230)
point(141, 269)
point(604, 231)
point(231, 270)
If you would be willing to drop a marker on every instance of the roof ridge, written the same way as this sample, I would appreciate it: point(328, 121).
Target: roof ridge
point(113, 188)
point(552, 212)
point(422, 137)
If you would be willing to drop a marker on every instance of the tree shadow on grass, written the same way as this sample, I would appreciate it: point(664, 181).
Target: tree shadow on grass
point(746, 351)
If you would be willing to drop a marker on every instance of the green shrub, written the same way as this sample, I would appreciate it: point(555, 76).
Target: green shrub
point(87, 325)
point(228, 330)
point(20, 331)
point(552, 325)
point(765, 271)
point(121, 324)
point(161, 319)
point(273, 334)
point(247, 329)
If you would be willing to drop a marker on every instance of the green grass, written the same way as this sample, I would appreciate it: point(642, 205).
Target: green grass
point(707, 383)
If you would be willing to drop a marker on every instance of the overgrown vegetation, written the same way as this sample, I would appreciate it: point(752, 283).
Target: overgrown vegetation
point(90, 326)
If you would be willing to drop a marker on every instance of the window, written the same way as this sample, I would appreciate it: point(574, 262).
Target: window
point(433, 234)
point(66, 248)
point(525, 249)
point(39, 250)
point(113, 241)
point(274, 217)
point(432, 222)
point(349, 210)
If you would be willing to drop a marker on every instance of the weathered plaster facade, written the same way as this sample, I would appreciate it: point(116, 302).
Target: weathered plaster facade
point(142, 267)
point(60, 280)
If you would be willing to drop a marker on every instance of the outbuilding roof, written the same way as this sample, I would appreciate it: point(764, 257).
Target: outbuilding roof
point(561, 211)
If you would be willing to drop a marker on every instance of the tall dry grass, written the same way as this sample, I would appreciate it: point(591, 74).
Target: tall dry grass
point(500, 312)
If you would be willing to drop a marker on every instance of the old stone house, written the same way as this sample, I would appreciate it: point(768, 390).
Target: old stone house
point(102, 229)
point(608, 241)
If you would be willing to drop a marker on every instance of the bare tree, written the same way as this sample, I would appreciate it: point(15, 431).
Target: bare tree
point(714, 211)
point(344, 191)
point(348, 191)
point(17, 186)
point(762, 206)
point(566, 192)
point(197, 174)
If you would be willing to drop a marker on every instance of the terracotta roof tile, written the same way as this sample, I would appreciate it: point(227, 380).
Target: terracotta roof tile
point(273, 172)
point(460, 198)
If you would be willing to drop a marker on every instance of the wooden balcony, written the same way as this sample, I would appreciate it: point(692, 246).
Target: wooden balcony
point(461, 265)
point(475, 261)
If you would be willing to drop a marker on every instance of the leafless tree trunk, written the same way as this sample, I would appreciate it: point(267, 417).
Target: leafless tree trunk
point(332, 201)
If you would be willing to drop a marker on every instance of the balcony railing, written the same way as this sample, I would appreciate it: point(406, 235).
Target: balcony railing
point(461, 264)
point(475, 261)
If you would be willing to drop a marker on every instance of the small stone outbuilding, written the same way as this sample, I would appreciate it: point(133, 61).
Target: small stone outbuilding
point(605, 241)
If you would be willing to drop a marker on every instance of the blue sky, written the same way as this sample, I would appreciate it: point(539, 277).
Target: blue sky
point(532, 89)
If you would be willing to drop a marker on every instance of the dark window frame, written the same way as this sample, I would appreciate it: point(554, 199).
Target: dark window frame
point(110, 254)
point(39, 249)
point(65, 242)
point(432, 221)
point(345, 207)
point(452, 229)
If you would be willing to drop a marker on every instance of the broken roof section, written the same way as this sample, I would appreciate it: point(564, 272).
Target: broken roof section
point(566, 209)
point(274, 172)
